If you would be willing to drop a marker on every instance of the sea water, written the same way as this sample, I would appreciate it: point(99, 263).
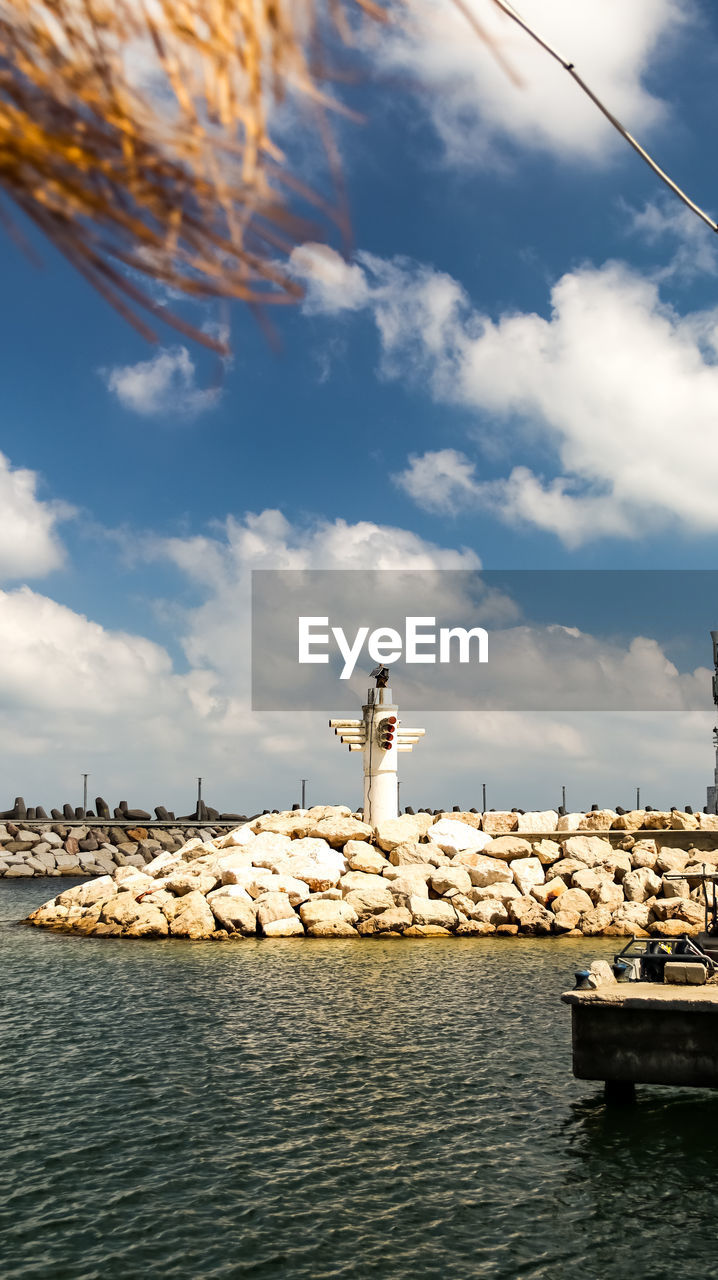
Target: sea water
point(400, 1110)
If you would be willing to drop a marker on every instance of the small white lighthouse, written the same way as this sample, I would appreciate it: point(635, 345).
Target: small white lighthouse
point(380, 737)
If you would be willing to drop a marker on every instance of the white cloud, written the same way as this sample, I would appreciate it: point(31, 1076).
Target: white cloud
point(616, 388)
point(696, 253)
point(29, 544)
point(478, 111)
point(163, 386)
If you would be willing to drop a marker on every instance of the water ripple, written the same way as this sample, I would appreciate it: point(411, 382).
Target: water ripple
point(326, 1110)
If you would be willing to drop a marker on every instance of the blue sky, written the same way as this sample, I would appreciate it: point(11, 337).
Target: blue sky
point(516, 366)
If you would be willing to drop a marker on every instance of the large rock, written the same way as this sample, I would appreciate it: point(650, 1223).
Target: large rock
point(657, 821)
point(644, 854)
point(632, 821)
point(569, 821)
point(233, 909)
point(241, 837)
point(85, 895)
point(325, 910)
point(456, 837)
point(332, 929)
point(404, 830)
point(403, 855)
point(573, 900)
point(641, 884)
point(363, 857)
point(684, 821)
point(547, 851)
point(633, 914)
point(405, 886)
point(149, 923)
point(502, 890)
point(273, 906)
point(270, 850)
point(289, 927)
point(296, 890)
point(490, 911)
point(527, 872)
point(618, 865)
point(565, 921)
point(507, 848)
point(286, 825)
point(353, 880)
point(316, 863)
point(192, 879)
point(595, 921)
point(548, 892)
point(535, 821)
point(671, 860)
point(431, 911)
point(499, 822)
point(255, 880)
point(450, 880)
point(708, 821)
point(193, 918)
point(370, 902)
point(394, 920)
point(591, 850)
point(530, 916)
point(598, 820)
point(412, 871)
point(487, 871)
point(337, 831)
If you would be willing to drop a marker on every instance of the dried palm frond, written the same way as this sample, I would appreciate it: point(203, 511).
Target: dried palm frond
point(134, 134)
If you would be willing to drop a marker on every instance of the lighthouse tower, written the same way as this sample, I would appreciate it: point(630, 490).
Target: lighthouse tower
point(380, 737)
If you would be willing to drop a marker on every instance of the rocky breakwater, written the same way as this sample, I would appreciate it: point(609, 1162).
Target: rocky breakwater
point(325, 873)
point(28, 849)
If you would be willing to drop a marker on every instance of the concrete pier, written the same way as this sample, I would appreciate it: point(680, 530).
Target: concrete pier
point(645, 1033)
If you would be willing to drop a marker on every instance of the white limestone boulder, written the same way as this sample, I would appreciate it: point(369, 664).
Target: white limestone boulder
point(507, 848)
point(413, 851)
point(591, 850)
point(491, 911)
point(499, 822)
point(432, 912)
point(538, 820)
point(323, 910)
point(233, 909)
point(289, 927)
point(485, 871)
point(457, 837)
point(363, 857)
point(527, 873)
point(641, 884)
point(450, 880)
point(272, 907)
point(337, 831)
point(193, 917)
point(404, 830)
point(369, 902)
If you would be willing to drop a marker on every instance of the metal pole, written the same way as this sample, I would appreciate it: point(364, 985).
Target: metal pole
point(199, 793)
point(638, 797)
point(483, 792)
point(563, 797)
point(85, 776)
point(398, 795)
point(304, 782)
